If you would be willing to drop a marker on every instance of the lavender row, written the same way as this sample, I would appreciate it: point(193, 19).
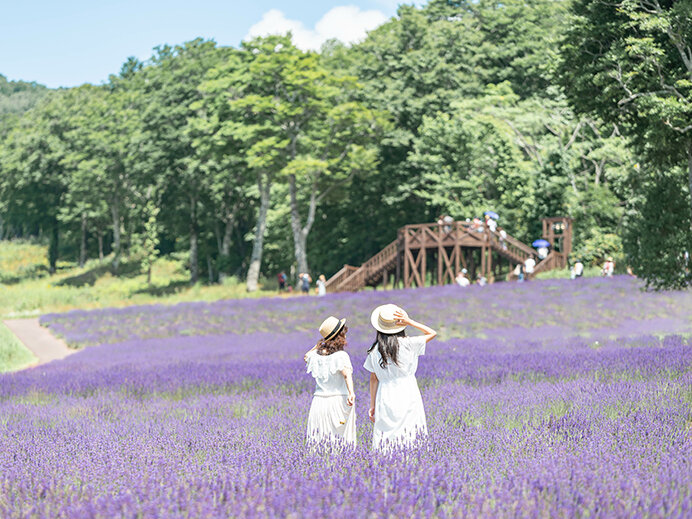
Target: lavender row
point(566, 449)
point(190, 364)
point(548, 309)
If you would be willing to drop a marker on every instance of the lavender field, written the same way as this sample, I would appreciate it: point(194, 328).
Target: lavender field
point(551, 398)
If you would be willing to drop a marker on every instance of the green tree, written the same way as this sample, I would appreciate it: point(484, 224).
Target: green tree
point(33, 176)
point(630, 62)
point(169, 85)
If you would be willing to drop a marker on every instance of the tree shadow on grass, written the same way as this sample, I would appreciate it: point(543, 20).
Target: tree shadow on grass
point(171, 288)
point(35, 272)
point(127, 269)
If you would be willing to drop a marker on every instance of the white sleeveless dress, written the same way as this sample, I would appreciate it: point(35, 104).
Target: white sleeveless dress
point(399, 412)
point(330, 418)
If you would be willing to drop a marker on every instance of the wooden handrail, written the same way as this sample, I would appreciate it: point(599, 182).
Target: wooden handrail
point(418, 235)
point(334, 281)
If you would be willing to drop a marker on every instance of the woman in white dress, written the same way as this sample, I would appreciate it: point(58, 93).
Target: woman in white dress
point(396, 406)
point(332, 417)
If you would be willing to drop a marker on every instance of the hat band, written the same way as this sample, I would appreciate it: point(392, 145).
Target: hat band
point(386, 323)
point(336, 329)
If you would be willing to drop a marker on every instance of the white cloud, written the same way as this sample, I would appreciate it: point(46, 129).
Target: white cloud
point(346, 23)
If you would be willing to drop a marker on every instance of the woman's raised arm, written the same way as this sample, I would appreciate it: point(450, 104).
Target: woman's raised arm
point(403, 318)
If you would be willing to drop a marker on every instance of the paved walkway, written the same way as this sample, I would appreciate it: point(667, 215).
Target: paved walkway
point(39, 340)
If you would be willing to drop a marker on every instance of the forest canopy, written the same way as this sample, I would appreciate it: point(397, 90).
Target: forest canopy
point(250, 160)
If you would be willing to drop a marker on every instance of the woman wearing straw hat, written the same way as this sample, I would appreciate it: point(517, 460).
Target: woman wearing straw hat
point(331, 414)
point(396, 406)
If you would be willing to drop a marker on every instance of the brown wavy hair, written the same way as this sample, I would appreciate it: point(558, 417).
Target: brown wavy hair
point(338, 343)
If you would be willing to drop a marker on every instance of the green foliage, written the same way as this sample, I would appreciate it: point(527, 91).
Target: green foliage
point(454, 107)
point(630, 62)
point(597, 247)
point(16, 97)
point(659, 236)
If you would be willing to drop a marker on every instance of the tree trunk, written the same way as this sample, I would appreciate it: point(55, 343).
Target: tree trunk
point(194, 253)
point(117, 250)
point(229, 221)
point(256, 258)
point(100, 239)
point(83, 243)
point(300, 232)
point(53, 247)
point(689, 174)
point(210, 270)
point(226, 242)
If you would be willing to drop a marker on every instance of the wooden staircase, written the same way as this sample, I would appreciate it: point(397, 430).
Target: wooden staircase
point(409, 251)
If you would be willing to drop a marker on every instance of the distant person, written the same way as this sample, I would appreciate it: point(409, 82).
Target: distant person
point(482, 281)
point(519, 272)
point(578, 269)
point(608, 267)
point(332, 417)
point(477, 224)
point(542, 252)
point(503, 238)
point(321, 285)
point(461, 278)
point(446, 221)
point(281, 278)
point(490, 223)
point(304, 279)
point(630, 272)
point(396, 406)
point(529, 266)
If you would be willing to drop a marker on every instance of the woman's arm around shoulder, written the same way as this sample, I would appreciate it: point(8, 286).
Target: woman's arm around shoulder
point(305, 357)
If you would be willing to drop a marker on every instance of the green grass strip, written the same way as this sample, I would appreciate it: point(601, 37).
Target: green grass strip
point(13, 354)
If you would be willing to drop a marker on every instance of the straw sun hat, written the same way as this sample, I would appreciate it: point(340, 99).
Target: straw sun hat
point(331, 327)
point(383, 319)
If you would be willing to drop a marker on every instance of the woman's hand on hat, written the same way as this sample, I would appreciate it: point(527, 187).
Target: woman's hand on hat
point(401, 317)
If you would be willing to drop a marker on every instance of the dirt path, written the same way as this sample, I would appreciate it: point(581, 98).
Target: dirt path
point(39, 340)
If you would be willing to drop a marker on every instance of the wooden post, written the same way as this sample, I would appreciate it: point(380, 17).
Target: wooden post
point(472, 264)
point(423, 266)
point(407, 268)
point(440, 258)
point(490, 263)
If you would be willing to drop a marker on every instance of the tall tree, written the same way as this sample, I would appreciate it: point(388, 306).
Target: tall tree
point(105, 130)
point(33, 176)
point(170, 89)
point(630, 61)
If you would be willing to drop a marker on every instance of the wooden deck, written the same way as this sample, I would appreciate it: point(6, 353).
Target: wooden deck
point(432, 253)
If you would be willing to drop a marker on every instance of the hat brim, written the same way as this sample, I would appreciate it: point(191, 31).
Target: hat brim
point(375, 321)
point(336, 330)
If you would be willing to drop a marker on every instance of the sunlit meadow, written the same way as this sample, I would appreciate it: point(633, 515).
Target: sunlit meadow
point(553, 398)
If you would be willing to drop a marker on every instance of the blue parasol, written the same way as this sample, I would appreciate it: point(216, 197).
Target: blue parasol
point(540, 243)
point(491, 214)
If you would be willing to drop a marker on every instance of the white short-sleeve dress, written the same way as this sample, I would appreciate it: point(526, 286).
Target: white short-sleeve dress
point(399, 412)
point(330, 418)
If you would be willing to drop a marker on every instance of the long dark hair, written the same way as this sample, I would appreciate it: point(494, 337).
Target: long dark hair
point(338, 343)
point(388, 346)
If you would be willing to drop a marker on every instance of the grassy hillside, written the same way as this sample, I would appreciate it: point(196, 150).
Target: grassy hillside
point(26, 288)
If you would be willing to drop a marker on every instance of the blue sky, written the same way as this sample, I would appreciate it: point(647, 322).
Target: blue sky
point(70, 42)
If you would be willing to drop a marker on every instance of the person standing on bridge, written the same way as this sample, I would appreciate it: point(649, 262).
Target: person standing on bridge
point(396, 405)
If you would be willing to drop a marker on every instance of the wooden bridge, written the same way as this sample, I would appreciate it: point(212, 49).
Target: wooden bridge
point(433, 253)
